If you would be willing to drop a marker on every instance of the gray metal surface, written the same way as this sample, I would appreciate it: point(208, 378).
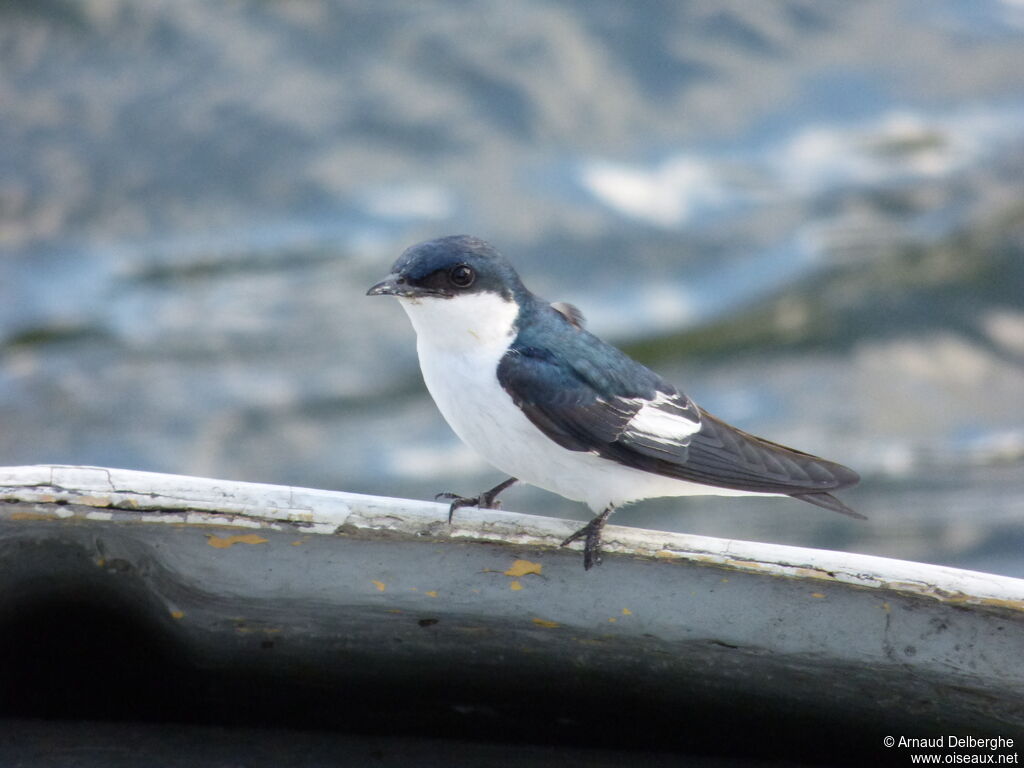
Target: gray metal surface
point(333, 599)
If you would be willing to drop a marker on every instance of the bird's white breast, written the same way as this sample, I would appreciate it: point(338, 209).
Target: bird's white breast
point(460, 342)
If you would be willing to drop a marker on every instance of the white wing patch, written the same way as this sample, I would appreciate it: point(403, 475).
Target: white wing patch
point(666, 419)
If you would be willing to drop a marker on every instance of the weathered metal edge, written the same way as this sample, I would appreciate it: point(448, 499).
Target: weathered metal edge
point(59, 491)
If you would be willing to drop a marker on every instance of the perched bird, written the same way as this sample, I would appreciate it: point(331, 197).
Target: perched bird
point(545, 401)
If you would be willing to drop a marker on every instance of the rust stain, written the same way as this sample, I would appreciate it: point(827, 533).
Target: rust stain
point(545, 623)
point(515, 586)
point(994, 602)
point(431, 593)
point(819, 595)
point(223, 542)
point(177, 614)
point(29, 516)
point(524, 567)
point(94, 501)
point(380, 585)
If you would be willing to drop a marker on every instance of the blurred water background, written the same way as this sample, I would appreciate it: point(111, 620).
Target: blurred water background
point(808, 214)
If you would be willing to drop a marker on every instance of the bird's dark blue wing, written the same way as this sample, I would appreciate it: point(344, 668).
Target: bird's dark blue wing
point(584, 406)
point(624, 412)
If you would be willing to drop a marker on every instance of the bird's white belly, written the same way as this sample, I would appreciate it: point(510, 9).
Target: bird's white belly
point(465, 388)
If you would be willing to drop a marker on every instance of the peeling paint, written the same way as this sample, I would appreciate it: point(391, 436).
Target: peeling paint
point(223, 542)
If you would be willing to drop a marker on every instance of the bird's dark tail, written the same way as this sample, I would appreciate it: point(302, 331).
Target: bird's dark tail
point(828, 501)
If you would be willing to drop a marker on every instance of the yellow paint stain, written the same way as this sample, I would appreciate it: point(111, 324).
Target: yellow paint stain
point(431, 593)
point(545, 623)
point(886, 607)
point(515, 586)
point(177, 614)
point(223, 542)
point(612, 620)
point(380, 585)
point(626, 612)
point(298, 543)
point(394, 610)
point(819, 595)
point(523, 568)
point(101, 561)
point(725, 579)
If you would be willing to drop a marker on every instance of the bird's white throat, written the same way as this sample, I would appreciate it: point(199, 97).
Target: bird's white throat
point(474, 321)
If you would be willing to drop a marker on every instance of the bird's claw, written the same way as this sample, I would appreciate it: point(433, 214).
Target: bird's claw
point(591, 535)
point(486, 500)
point(591, 544)
point(483, 501)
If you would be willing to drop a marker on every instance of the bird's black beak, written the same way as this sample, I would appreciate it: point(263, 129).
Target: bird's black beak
point(388, 287)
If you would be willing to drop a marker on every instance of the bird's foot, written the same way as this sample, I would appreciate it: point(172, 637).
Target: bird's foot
point(486, 500)
point(591, 535)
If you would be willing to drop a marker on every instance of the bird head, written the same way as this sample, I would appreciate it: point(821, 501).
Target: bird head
point(453, 286)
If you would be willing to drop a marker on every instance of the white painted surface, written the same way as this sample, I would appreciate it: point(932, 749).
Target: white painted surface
point(131, 495)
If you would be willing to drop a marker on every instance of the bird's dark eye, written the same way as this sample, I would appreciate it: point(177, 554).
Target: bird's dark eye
point(462, 276)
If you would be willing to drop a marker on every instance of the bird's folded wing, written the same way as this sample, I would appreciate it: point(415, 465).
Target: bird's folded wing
point(655, 428)
point(585, 408)
point(728, 457)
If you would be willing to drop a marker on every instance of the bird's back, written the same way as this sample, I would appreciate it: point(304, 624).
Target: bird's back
point(583, 393)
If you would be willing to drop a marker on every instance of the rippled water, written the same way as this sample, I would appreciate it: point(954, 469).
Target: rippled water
point(809, 216)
